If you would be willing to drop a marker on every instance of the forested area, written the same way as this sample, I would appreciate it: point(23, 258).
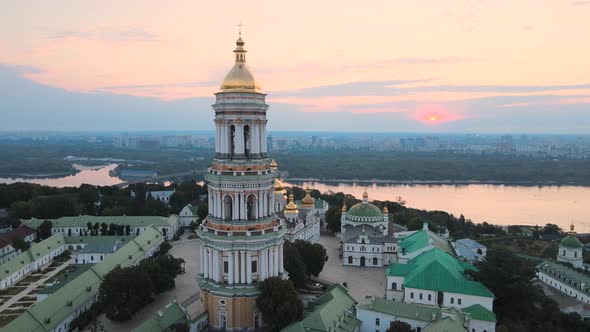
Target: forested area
point(26, 200)
point(431, 166)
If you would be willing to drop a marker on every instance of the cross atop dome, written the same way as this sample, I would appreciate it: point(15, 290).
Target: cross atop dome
point(365, 197)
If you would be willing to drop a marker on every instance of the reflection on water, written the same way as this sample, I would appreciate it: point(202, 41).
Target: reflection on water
point(497, 204)
point(95, 175)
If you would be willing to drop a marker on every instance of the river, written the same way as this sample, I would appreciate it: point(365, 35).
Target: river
point(496, 204)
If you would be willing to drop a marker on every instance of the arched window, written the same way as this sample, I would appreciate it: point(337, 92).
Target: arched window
point(563, 254)
point(394, 286)
point(349, 259)
point(222, 319)
point(375, 260)
point(227, 207)
point(452, 300)
point(251, 204)
point(575, 254)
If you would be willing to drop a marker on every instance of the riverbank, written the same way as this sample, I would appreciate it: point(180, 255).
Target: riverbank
point(440, 182)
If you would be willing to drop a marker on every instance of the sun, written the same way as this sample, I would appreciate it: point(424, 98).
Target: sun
point(432, 118)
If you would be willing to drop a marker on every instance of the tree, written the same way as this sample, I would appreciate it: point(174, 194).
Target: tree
point(551, 229)
point(314, 256)
point(20, 209)
point(293, 264)
point(161, 280)
point(202, 211)
point(180, 327)
point(279, 303)
point(333, 216)
point(399, 326)
point(163, 249)
point(20, 244)
point(124, 291)
point(44, 230)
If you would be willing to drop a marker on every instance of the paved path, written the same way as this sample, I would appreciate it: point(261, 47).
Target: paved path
point(362, 281)
point(35, 284)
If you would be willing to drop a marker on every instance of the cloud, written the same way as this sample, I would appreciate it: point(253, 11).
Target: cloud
point(107, 34)
point(159, 85)
point(580, 3)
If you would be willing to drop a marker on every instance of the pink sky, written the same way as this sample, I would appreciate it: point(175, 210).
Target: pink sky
point(182, 49)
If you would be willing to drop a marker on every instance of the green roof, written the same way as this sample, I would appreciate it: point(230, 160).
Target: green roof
point(326, 312)
point(421, 239)
point(194, 209)
point(570, 242)
point(451, 323)
point(66, 278)
point(82, 221)
point(479, 312)
point(401, 309)
point(46, 315)
point(171, 314)
point(364, 210)
point(97, 239)
point(440, 271)
point(34, 253)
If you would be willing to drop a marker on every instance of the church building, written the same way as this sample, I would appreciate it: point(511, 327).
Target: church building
point(366, 240)
point(241, 238)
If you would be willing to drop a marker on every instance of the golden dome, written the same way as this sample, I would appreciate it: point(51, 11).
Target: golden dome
point(278, 185)
point(273, 164)
point(239, 78)
point(308, 201)
point(572, 232)
point(385, 210)
point(291, 208)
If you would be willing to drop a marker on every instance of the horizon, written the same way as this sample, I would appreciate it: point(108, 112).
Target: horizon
point(476, 67)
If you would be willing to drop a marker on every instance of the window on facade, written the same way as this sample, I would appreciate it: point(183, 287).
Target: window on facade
point(411, 295)
point(459, 301)
point(225, 267)
point(377, 321)
point(420, 296)
point(254, 267)
point(429, 297)
point(452, 300)
point(575, 254)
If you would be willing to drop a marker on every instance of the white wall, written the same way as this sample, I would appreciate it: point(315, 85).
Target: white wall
point(567, 289)
point(481, 326)
point(369, 319)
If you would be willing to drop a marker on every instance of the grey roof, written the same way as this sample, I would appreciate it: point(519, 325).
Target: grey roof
point(469, 243)
point(352, 234)
point(102, 248)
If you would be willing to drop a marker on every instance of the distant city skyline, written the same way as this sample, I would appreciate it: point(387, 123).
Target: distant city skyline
point(424, 66)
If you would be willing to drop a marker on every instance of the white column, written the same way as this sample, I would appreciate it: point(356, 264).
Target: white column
point(230, 268)
point(205, 269)
point(210, 263)
point(263, 138)
point(239, 139)
point(281, 269)
point(217, 137)
point(248, 267)
point(260, 209)
point(236, 206)
point(216, 265)
point(236, 267)
point(217, 204)
point(256, 139)
point(271, 267)
point(223, 139)
point(201, 260)
point(265, 203)
point(276, 261)
point(241, 205)
point(262, 265)
point(243, 267)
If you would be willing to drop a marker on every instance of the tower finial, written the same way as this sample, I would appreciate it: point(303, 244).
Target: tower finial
point(240, 28)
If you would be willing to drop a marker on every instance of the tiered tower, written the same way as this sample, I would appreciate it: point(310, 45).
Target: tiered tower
point(241, 239)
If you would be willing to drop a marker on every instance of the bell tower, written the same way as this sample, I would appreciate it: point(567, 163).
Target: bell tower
point(241, 238)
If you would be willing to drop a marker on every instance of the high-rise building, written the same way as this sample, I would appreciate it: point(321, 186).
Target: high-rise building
point(241, 238)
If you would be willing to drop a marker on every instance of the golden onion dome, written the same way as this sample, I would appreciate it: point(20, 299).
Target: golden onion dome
point(278, 185)
point(308, 201)
point(273, 164)
point(385, 210)
point(239, 78)
point(291, 208)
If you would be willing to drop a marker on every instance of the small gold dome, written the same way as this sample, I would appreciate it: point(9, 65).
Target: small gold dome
point(273, 164)
point(308, 201)
point(291, 208)
point(239, 78)
point(385, 210)
point(278, 185)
